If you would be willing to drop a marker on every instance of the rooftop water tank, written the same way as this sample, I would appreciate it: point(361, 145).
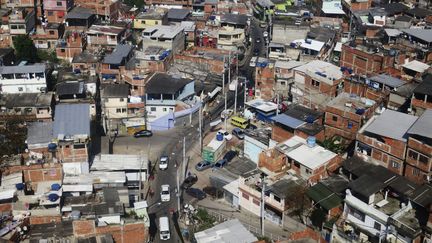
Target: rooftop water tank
point(311, 141)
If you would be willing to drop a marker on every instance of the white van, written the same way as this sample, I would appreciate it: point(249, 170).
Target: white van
point(164, 230)
point(163, 162)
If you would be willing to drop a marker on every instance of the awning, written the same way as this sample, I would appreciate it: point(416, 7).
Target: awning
point(214, 92)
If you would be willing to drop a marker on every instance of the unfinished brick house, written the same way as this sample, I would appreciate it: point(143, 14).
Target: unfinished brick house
point(299, 121)
point(264, 79)
point(346, 114)
point(422, 96)
point(72, 44)
point(316, 83)
point(107, 9)
point(418, 158)
point(46, 37)
point(55, 11)
point(383, 140)
point(303, 157)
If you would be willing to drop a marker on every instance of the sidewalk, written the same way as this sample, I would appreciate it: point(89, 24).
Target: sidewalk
point(220, 208)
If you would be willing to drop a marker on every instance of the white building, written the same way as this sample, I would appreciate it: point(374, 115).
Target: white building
point(168, 37)
point(23, 78)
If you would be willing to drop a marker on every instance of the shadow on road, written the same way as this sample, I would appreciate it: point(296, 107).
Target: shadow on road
point(177, 226)
point(153, 228)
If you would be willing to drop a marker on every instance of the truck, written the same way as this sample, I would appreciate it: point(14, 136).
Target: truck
point(214, 150)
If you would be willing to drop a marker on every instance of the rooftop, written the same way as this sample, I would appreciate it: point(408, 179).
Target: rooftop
point(284, 187)
point(323, 196)
point(86, 57)
point(105, 29)
point(288, 121)
point(33, 68)
point(366, 185)
point(162, 83)
point(238, 19)
point(119, 53)
point(423, 126)
point(162, 31)
point(155, 14)
point(388, 80)
point(26, 100)
point(178, 14)
point(39, 133)
point(425, 87)
point(297, 149)
point(261, 105)
point(226, 232)
point(70, 88)
point(71, 120)
point(80, 13)
point(115, 91)
point(419, 12)
point(323, 71)
point(262, 135)
point(417, 66)
point(302, 113)
point(391, 124)
point(116, 162)
point(351, 103)
point(423, 195)
point(288, 64)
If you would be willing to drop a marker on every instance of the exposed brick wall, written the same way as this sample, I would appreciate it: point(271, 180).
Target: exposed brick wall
point(324, 170)
point(5, 207)
point(308, 233)
point(416, 104)
point(394, 147)
point(410, 174)
point(279, 134)
point(45, 219)
point(265, 81)
point(272, 160)
point(127, 233)
point(373, 63)
point(37, 172)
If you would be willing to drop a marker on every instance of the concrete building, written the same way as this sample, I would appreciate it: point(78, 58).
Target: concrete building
point(228, 231)
point(22, 21)
point(28, 106)
point(56, 11)
point(114, 99)
point(168, 37)
point(70, 45)
point(23, 78)
point(152, 17)
point(48, 36)
point(255, 142)
point(113, 65)
point(106, 36)
point(422, 96)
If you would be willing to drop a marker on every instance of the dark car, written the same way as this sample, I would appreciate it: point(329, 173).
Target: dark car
point(143, 133)
point(238, 132)
point(203, 165)
point(221, 163)
point(189, 181)
point(251, 126)
point(230, 155)
point(256, 52)
point(196, 193)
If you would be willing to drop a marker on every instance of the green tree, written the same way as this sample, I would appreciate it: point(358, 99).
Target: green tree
point(136, 3)
point(25, 49)
point(298, 202)
point(13, 137)
point(50, 56)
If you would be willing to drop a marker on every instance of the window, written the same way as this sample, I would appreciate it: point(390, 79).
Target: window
point(283, 83)
point(423, 159)
point(416, 172)
point(334, 118)
point(20, 89)
point(121, 99)
point(50, 13)
point(171, 109)
point(308, 171)
point(245, 196)
point(412, 154)
point(142, 21)
point(259, 84)
point(118, 110)
point(79, 146)
point(59, 4)
point(357, 214)
point(394, 164)
point(276, 198)
point(164, 109)
point(377, 226)
point(51, 32)
point(152, 108)
point(135, 87)
point(315, 83)
point(256, 202)
point(123, 110)
point(63, 50)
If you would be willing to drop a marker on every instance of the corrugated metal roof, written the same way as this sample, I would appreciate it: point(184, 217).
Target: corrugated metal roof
point(392, 124)
point(39, 133)
point(71, 120)
point(388, 80)
point(288, 121)
point(323, 196)
point(228, 231)
point(120, 52)
point(423, 125)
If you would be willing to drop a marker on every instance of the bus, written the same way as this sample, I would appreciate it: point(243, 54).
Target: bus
point(239, 122)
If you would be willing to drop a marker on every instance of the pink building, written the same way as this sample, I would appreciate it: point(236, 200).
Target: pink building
point(56, 10)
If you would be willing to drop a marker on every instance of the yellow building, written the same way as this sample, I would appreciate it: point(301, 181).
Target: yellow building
point(150, 18)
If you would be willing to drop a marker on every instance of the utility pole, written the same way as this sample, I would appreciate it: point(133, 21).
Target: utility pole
point(235, 96)
point(140, 179)
point(200, 128)
point(223, 76)
point(277, 102)
point(262, 203)
point(225, 118)
point(245, 95)
point(178, 189)
point(184, 156)
point(237, 67)
point(229, 68)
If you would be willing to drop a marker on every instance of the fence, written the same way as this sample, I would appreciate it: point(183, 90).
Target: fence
point(220, 217)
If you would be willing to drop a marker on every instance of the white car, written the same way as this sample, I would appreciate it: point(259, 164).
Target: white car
point(265, 34)
point(253, 61)
point(165, 193)
point(163, 162)
point(227, 135)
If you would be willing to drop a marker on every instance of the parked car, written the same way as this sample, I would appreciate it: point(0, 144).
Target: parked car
point(251, 126)
point(226, 134)
point(196, 193)
point(143, 133)
point(256, 52)
point(203, 165)
point(226, 113)
point(239, 133)
point(221, 163)
point(189, 181)
point(265, 34)
point(257, 40)
point(163, 162)
point(165, 193)
point(230, 155)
